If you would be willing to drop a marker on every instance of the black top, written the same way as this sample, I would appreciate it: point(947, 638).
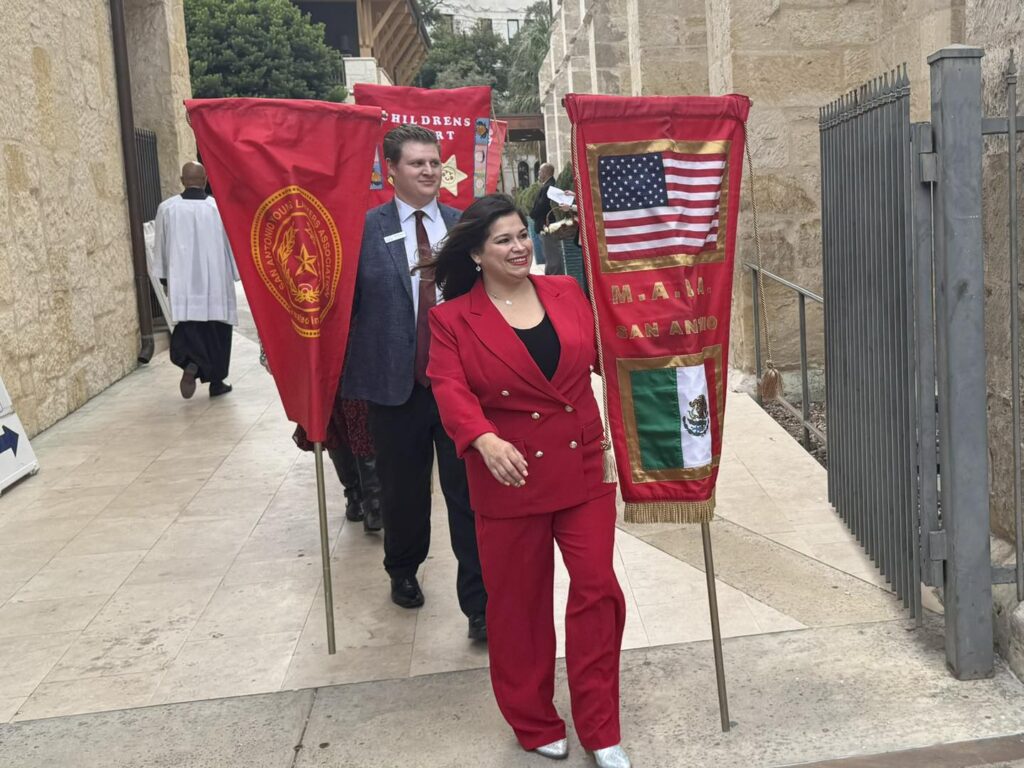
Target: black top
point(541, 206)
point(542, 343)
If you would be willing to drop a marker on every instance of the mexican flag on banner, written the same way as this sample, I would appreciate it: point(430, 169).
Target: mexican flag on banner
point(658, 192)
point(671, 411)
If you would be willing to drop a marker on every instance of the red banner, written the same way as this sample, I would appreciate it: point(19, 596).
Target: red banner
point(291, 180)
point(461, 118)
point(658, 189)
point(499, 132)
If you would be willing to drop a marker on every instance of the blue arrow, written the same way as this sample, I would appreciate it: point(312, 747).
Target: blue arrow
point(9, 439)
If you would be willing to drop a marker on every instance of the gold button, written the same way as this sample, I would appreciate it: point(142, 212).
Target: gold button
point(504, 393)
point(534, 415)
point(573, 444)
point(539, 454)
point(591, 368)
point(568, 409)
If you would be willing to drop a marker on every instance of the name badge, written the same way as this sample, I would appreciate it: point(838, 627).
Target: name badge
point(395, 236)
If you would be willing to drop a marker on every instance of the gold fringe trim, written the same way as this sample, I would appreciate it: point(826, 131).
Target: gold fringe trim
point(670, 511)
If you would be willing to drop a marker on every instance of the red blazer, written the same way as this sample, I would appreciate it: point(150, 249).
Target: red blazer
point(485, 380)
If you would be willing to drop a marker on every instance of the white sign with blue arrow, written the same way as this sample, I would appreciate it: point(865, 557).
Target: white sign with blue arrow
point(17, 458)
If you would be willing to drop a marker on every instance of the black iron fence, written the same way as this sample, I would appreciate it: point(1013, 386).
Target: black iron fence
point(149, 172)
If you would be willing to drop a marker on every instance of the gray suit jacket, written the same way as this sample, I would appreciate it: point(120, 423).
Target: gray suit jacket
point(381, 357)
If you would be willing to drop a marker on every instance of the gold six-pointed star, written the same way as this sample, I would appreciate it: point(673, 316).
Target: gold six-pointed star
point(451, 176)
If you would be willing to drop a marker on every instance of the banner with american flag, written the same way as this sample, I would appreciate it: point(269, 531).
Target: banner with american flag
point(657, 187)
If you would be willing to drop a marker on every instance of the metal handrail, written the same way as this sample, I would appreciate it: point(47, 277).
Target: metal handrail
point(804, 414)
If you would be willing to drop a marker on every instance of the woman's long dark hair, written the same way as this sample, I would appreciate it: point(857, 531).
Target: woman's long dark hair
point(454, 269)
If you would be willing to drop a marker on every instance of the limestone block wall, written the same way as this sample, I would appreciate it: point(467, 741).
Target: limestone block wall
point(790, 57)
point(68, 322)
point(668, 47)
point(158, 58)
point(998, 27)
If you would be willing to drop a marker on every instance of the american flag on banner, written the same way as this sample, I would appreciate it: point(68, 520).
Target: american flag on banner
point(659, 203)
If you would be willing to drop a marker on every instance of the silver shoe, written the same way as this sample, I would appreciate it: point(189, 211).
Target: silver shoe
point(612, 757)
point(556, 750)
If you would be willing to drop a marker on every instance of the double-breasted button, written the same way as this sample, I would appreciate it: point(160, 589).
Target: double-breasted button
point(539, 454)
point(574, 445)
point(504, 393)
point(534, 415)
point(568, 409)
point(591, 368)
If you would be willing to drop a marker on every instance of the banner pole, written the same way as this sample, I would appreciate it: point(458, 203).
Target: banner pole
point(716, 634)
point(325, 547)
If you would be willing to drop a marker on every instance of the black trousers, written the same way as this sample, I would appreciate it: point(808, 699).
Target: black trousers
point(207, 344)
point(406, 437)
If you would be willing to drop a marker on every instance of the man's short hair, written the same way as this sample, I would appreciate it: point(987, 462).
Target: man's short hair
point(403, 134)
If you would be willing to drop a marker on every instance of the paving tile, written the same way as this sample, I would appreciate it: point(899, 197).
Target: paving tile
point(228, 666)
point(348, 665)
point(27, 660)
point(137, 609)
point(133, 651)
point(57, 503)
point(27, 531)
point(215, 538)
point(276, 570)
point(158, 569)
point(72, 575)
point(20, 562)
point(108, 535)
point(40, 617)
point(9, 707)
point(362, 618)
point(273, 540)
point(252, 609)
point(97, 694)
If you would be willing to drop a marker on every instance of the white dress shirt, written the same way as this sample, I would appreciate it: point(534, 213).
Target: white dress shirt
point(436, 232)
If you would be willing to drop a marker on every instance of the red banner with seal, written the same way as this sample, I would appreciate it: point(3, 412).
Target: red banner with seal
point(461, 118)
point(291, 179)
point(658, 190)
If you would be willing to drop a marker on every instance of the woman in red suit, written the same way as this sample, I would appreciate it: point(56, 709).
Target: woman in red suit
point(511, 356)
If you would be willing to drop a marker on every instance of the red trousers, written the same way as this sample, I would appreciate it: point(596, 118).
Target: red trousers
point(518, 562)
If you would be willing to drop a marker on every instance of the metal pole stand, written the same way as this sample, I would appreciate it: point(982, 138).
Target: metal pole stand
point(716, 633)
point(325, 547)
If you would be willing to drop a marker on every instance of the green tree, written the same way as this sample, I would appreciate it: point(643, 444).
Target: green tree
point(265, 48)
point(456, 59)
point(528, 49)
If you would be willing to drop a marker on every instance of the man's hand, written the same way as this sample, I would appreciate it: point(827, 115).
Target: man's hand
point(504, 460)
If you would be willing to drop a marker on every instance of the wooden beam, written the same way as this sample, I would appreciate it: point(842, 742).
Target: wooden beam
point(406, 59)
point(365, 24)
point(384, 18)
point(394, 52)
point(387, 37)
point(407, 48)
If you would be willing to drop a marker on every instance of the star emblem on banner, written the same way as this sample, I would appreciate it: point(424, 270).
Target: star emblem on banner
point(451, 176)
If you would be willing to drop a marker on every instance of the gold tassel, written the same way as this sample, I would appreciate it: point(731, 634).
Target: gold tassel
point(770, 386)
point(608, 462)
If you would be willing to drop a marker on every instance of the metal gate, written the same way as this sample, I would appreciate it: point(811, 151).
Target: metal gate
point(149, 172)
point(905, 339)
point(869, 362)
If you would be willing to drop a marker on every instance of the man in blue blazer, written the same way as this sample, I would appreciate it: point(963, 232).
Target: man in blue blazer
point(386, 366)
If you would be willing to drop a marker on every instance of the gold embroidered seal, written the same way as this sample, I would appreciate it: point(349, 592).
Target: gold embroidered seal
point(297, 251)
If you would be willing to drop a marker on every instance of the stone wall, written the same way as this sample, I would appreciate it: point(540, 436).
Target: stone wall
point(68, 320)
point(158, 58)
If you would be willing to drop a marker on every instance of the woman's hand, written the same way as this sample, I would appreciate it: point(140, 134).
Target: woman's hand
point(504, 460)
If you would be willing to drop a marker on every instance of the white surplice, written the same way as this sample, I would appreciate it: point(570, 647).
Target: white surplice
point(192, 253)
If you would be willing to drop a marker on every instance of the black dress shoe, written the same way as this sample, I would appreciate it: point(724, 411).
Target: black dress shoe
point(187, 386)
point(219, 388)
point(373, 520)
point(406, 592)
point(478, 627)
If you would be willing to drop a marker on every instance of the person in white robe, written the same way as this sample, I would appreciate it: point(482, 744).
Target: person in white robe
point(191, 252)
